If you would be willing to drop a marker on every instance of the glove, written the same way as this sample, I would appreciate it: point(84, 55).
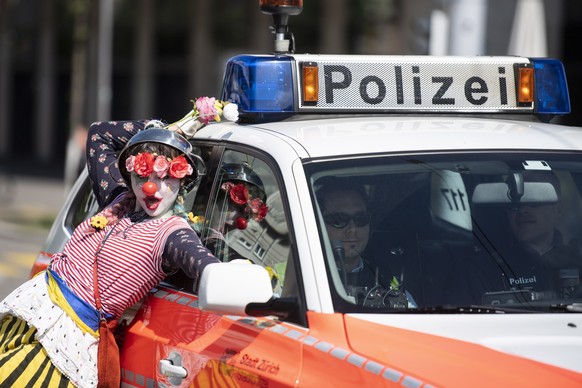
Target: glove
point(240, 261)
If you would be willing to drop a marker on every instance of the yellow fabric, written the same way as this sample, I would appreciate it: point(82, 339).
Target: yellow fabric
point(59, 299)
point(23, 360)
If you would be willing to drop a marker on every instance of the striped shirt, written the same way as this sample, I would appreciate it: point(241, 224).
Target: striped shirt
point(129, 260)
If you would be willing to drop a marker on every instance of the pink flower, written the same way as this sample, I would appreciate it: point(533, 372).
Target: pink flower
point(129, 163)
point(258, 209)
point(226, 186)
point(144, 164)
point(179, 167)
point(161, 166)
point(206, 109)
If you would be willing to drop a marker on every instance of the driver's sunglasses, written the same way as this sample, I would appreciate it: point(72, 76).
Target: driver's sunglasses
point(341, 220)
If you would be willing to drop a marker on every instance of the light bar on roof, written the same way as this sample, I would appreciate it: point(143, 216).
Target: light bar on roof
point(274, 87)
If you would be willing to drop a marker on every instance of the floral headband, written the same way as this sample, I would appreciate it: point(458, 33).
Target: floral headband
point(145, 163)
point(239, 195)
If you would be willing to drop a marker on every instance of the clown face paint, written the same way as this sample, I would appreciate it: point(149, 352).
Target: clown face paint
point(158, 203)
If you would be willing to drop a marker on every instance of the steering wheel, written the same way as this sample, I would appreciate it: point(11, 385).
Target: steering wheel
point(381, 297)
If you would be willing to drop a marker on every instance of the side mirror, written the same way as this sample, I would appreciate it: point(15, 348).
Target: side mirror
point(227, 288)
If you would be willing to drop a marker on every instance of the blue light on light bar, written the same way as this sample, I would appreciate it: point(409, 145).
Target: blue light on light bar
point(551, 88)
point(261, 85)
point(266, 87)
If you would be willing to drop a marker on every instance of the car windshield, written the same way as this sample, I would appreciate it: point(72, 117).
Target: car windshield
point(484, 231)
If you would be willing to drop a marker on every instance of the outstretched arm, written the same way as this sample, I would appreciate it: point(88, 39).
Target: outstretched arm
point(185, 251)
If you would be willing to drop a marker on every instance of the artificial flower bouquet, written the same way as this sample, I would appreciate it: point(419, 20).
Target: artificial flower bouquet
point(204, 111)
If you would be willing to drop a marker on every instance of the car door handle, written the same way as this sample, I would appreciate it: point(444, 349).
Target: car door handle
point(168, 368)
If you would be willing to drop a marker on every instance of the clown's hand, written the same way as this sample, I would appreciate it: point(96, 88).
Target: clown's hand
point(204, 111)
point(240, 261)
point(154, 124)
point(186, 127)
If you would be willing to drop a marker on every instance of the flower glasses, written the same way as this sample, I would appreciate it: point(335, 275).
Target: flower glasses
point(341, 220)
point(145, 163)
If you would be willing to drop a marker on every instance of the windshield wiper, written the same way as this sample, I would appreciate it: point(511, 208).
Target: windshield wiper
point(567, 307)
point(471, 309)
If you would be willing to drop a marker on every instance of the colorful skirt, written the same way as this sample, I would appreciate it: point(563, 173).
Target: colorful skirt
point(56, 334)
point(23, 360)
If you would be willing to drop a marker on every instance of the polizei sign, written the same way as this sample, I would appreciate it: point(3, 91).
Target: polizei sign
point(416, 83)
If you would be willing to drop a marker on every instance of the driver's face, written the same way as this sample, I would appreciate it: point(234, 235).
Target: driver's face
point(353, 237)
point(533, 224)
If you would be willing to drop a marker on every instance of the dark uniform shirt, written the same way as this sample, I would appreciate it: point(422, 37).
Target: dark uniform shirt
point(554, 274)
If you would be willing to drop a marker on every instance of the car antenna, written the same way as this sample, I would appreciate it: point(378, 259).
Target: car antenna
point(281, 10)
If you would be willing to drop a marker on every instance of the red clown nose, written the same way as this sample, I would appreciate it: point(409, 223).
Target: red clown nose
point(149, 189)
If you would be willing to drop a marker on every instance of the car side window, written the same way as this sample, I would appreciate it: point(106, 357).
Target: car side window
point(83, 205)
point(198, 193)
point(243, 217)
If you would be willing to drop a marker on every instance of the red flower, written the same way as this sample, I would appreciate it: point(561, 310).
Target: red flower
point(239, 194)
point(143, 164)
point(258, 209)
point(263, 211)
point(179, 167)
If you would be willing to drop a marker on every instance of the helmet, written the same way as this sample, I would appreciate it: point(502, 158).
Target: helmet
point(168, 138)
point(242, 172)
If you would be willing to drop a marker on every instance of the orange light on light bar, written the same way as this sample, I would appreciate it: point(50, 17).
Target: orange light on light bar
point(525, 85)
point(310, 83)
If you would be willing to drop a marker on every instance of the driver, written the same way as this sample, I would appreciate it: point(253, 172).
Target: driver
point(345, 213)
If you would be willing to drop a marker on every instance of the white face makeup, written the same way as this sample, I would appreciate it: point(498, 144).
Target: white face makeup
point(159, 203)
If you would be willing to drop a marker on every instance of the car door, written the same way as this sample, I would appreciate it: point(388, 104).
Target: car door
point(171, 342)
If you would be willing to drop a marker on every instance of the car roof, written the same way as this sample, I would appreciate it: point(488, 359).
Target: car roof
point(329, 137)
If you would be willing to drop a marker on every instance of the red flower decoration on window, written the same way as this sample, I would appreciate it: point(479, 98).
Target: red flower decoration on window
point(239, 194)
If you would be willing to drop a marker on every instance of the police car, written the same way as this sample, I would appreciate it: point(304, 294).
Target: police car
point(467, 219)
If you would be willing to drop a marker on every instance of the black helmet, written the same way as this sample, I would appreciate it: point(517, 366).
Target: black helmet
point(170, 139)
point(242, 172)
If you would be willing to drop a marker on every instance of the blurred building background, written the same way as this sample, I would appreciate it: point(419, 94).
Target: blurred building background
point(67, 63)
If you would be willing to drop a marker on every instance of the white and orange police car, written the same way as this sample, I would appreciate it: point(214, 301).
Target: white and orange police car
point(424, 230)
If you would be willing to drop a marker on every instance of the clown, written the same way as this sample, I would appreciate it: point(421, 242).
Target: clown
point(140, 173)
